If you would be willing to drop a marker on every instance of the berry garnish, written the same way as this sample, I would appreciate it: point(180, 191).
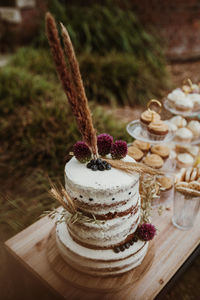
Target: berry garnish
point(116, 249)
point(89, 165)
point(127, 245)
point(122, 247)
point(108, 167)
point(81, 152)
point(99, 161)
point(104, 143)
point(135, 239)
point(119, 149)
point(101, 167)
point(93, 161)
point(94, 167)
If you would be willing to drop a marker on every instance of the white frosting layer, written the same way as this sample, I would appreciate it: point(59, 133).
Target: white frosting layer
point(178, 121)
point(101, 186)
point(96, 261)
point(194, 126)
point(185, 158)
point(105, 238)
point(194, 98)
point(176, 94)
point(184, 133)
point(185, 102)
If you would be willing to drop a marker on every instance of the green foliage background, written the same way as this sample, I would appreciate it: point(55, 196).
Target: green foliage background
point(120, 63)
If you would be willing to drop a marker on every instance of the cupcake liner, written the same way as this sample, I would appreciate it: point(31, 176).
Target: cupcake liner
point(143, 125)
point(156, 137)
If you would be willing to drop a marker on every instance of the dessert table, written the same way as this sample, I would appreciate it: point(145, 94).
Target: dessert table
point(173, 247)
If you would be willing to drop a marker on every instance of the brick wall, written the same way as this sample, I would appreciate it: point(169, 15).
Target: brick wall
point(19, 21)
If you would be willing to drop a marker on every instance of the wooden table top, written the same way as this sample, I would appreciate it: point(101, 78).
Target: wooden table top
point(172, 248)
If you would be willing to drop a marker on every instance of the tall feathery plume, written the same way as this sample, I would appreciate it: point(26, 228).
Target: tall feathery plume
point(89, 131)
point(78, 103)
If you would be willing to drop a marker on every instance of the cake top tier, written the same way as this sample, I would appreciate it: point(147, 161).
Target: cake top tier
point(77, 173)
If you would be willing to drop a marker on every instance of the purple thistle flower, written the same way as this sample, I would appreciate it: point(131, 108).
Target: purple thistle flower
point(104, 143)
point(119, 149)
point(146, 232)
point(82, 151)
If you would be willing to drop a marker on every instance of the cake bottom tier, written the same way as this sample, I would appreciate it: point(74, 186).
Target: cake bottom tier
point(95, 262)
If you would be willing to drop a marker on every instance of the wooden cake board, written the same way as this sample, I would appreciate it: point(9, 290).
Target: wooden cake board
point(95, 283)
point(172, 248)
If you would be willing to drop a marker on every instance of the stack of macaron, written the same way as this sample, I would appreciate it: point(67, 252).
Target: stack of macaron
point(185, 155)
point(185, 132)
point(188, 182)
point(185, 99)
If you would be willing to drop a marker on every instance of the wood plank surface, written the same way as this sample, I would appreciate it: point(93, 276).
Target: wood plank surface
point(172, 248)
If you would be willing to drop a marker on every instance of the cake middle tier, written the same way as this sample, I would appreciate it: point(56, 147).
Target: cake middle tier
point(106, 233)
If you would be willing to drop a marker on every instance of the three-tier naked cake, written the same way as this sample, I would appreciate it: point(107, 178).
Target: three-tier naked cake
point(101, 230)
point(113, 198)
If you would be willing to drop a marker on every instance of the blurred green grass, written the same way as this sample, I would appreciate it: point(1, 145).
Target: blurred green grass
point(120, 63)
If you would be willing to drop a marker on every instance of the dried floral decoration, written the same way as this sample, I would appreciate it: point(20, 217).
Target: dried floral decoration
point(149, 188)
point(81, 151)
point(71, 81)
point(131, 167)
point(70, 212)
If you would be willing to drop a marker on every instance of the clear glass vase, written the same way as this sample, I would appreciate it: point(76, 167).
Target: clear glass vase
point(186, 209)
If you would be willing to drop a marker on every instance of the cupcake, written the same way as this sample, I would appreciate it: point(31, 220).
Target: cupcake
point(184, 160)
point(184, 105)
point(153, 161)
point(135, 153)
point(178, 121)
point(157, 130)
point(184, 135)
point(147, 116)
point(143, 146)
point(175, 95)
point(193, 150)
point(195, 98)
point(172, 127)
point(194, 126)
point(161, 150)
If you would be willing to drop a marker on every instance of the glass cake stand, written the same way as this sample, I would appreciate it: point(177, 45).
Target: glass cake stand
point(135, 130)
point(178, 112)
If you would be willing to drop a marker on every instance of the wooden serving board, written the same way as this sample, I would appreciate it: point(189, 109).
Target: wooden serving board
point(172, 248)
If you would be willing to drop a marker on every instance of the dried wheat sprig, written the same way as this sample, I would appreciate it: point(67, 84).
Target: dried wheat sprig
point(131, 167)
point(85, 123)
point(59, 195)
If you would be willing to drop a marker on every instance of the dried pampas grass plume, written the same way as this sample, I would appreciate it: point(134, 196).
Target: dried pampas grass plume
point(72, 82)
point(88, 130)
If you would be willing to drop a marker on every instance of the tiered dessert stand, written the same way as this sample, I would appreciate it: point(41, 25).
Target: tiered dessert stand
point(135, 130)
